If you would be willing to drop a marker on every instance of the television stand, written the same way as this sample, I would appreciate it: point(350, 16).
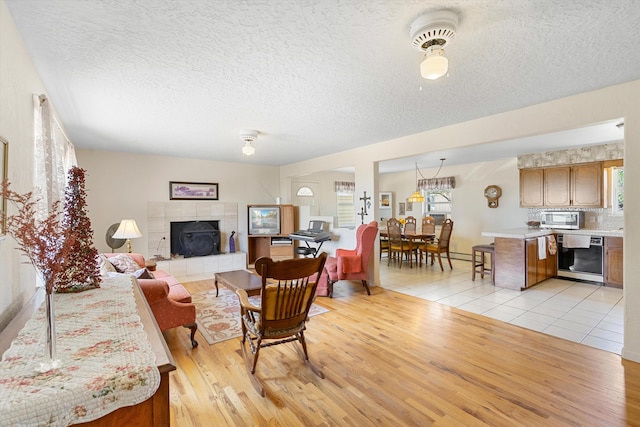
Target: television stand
point(275, 246)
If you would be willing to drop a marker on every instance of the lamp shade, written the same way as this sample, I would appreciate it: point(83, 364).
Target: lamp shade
point(128, 229)
point(435, 64)
point(416, 197)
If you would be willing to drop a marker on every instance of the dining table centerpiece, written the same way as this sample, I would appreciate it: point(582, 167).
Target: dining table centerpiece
point(58, 244)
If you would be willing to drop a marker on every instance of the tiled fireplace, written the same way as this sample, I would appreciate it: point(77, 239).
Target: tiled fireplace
point(161, 214)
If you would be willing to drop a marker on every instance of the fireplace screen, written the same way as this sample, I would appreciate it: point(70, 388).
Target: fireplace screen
point(195, 238)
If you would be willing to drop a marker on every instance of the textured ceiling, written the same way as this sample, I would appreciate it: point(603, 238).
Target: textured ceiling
point(181, 78)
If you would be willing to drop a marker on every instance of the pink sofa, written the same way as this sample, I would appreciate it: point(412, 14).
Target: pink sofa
point(170, 302)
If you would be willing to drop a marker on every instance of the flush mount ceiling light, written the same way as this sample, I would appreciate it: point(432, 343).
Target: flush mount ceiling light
point(430, 33)
point(248, 136)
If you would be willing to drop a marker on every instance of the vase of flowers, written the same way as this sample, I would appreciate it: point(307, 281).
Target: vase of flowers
point(50, 241)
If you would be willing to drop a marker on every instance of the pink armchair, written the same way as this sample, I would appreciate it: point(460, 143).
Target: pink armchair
point(169, 301)
point(353, 264)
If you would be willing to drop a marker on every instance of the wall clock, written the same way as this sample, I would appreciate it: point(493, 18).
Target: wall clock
point(492, 193)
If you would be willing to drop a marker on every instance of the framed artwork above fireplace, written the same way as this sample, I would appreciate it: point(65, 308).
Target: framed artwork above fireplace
point(193, 190)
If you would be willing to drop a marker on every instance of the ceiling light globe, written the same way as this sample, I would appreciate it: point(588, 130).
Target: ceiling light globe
point(248, 150)
point(435, 64)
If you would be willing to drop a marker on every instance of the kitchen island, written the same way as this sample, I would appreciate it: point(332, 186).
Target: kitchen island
point(523, 257)
point(527, 256)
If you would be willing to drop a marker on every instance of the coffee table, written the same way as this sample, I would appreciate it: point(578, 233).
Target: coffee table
point(240, 279)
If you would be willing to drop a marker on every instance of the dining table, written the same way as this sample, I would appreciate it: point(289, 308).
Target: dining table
point(413, 237)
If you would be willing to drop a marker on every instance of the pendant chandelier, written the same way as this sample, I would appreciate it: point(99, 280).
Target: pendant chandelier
point(416, 196)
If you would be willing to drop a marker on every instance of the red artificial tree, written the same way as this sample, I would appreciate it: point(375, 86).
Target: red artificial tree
point(61, 251)
point(82, 271)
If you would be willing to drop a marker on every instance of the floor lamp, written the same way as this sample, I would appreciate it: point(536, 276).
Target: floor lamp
point(128, 229)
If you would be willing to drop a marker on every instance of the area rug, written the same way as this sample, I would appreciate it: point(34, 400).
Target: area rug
point(218, 318)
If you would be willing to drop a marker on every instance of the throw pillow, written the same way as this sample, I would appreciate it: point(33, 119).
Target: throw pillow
point(105, 266)
point(124, 263)
point(143, 273)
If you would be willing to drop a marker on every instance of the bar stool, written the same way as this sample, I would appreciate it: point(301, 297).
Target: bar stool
point(479, 264)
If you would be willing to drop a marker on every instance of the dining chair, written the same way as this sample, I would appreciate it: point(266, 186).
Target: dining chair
point(397, 246)
point(384, 246)
point(441, 245)
point(410, 226)
point(428, 225)
point(288, 290)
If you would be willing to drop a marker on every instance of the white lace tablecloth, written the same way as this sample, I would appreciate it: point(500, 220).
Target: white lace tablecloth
point(107, 361)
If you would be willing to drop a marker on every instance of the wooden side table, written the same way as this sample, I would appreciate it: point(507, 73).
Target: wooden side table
point(240, 279)
point(151, 265)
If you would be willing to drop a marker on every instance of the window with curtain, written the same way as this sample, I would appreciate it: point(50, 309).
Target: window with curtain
point(346, 210)
point(438, 202)
point(345, 205)
point(54, 153)
point(438, 194)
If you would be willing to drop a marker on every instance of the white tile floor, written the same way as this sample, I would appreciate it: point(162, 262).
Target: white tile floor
point(582, 312)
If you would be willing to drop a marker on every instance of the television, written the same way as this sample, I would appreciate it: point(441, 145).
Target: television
point(264, 220)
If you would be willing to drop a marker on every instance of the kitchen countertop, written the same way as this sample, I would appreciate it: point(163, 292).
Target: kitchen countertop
point(526, 232)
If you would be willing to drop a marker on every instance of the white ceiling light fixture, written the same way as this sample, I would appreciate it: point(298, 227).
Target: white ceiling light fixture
point(248, 136)
point(430, 33)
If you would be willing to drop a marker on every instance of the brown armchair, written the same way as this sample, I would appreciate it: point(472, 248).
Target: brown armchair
point(288, 289)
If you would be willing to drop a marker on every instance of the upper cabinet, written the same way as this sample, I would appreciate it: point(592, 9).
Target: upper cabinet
point(531, 188)
point(578, 185)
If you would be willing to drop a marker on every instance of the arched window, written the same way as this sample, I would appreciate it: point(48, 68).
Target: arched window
point(304, 191)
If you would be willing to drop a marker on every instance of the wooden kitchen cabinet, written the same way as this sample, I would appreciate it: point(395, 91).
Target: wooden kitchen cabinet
point(557, 186)
point(531, 188)
point(613, 266)
point(517, 264)
point(578, 185)
point(586, 185)
point(539, 269)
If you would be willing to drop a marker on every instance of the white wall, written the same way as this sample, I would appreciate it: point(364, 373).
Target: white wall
point(119, 185)
point(19, 80)
point(324, 201)
point(470, 212)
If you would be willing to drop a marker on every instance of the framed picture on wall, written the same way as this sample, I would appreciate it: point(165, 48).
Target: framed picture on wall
point(386, 200)
point(4, 163)
point(401, 210)
point(409, 206)
point(193, 190)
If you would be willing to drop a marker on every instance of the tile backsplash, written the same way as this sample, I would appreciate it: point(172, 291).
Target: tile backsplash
point(594, 218)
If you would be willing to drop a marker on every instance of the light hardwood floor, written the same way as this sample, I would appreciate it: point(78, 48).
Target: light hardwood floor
point(395, 360)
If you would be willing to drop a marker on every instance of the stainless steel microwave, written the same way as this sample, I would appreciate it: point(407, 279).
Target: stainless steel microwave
point(562, 220)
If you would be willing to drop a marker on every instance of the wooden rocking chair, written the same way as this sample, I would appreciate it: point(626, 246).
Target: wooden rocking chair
point(288, 290)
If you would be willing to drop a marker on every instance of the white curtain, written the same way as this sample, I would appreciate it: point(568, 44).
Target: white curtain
point(54, 153)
